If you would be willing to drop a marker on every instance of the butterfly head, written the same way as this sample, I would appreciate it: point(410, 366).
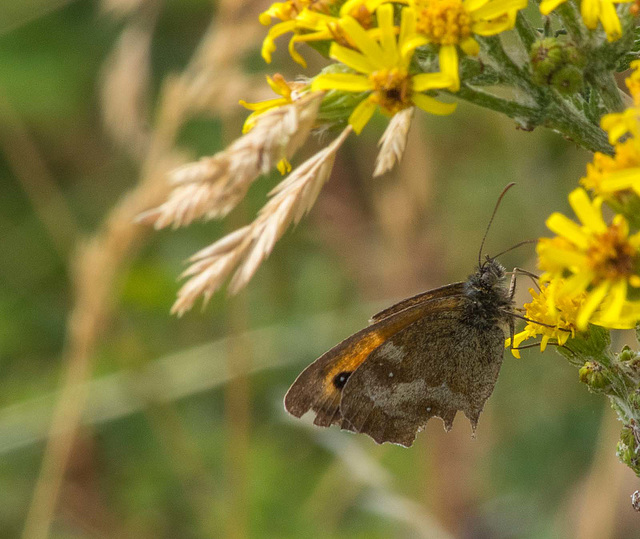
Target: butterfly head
point(489, 274)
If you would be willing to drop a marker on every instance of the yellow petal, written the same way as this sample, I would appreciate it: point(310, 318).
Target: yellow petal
point(263, 106)
point(590, 10)
point(470, 46)
point(473, 5)
point(497, 8)
point(594, 299)
point(409, 46)
point(268, 45)
point(610, 21)
point(346, 82)
point(363, 41)
point(544, 342)
point(361, 115)
point(621, 180)
point(407, 26)
point(388, 43)
point(448, 58)
point(432, 106)
point(615, 300)
point(575, 285)
point(566, 228)
point(351, 58)
point(430, 81)
point(547, 6)
point(589, 213)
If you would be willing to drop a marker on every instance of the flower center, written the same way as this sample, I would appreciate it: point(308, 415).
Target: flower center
point(611, 256)
point(445, 22)
point(391, 89)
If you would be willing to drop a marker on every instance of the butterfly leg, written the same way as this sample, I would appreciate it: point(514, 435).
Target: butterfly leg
point(512, 285)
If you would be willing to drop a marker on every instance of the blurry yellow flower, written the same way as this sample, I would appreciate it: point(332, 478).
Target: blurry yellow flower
point(597, 259)
point(561, 317)
point(633, 81)
point(608, 175)
point(593, 11)
point(289, 13)
point(453, 23)
point(288, 92)
point(313, 20)
point(383, 69)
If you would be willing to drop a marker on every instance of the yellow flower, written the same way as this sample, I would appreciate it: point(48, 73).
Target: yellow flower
point(453, 23)
point(383, 69)
point(593, 11)
point(312, 20)
point(288, 12)
point(633, 81)
point(597, 259)
point(560, 319)
point(288, 92)
point(608, 176)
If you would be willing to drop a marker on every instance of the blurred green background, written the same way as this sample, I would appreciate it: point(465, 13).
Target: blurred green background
point(182, 433)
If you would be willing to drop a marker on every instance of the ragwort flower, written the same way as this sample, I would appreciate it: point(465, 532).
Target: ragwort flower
point(610, 175)
point(453, 23)
point(288, 92)
point(311, 20)
point(383, 69)
point(559, 318)
point(599, 259)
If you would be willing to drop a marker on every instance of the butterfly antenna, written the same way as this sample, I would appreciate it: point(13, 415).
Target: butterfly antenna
point(504, 191)
point(525, 242)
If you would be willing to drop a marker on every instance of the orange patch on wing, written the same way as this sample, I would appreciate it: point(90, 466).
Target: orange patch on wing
point(352, 358)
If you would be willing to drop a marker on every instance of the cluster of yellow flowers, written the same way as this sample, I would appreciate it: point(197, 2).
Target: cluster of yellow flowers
point(378, 53)
point(375, 55)
point(592, 268)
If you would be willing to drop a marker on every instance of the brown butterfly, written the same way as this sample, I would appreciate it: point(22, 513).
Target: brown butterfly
point(429, 355)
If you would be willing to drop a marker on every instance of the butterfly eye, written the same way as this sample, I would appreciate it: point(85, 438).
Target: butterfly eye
point(341, 379)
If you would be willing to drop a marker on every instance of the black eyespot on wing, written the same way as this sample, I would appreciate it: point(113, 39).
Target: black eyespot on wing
point(341, 378)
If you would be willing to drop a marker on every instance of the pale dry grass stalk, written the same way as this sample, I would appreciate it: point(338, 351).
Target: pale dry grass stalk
point(211, 187)
point(99, 264)
point(125, 88)
point(246, 248)
point(393, 141)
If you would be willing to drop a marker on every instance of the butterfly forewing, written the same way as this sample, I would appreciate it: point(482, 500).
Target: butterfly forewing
point(319, 387)
point(454, 289)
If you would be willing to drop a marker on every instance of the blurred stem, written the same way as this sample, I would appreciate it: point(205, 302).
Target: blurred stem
point(238, 405)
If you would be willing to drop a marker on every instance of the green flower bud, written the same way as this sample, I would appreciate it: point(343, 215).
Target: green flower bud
point(546, 56)
point(592, 374)
point(558, 64)
point(573, 55)
point(567, 80)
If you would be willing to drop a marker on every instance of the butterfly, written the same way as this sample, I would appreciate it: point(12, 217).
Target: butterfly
point(430, 355)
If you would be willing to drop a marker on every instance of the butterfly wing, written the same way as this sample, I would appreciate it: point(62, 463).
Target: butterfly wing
point(454, 289)
point(319, 387)
point(436, 366)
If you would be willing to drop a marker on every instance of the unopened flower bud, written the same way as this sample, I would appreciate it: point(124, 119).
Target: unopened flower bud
point(592, 374)
point(567, 80)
